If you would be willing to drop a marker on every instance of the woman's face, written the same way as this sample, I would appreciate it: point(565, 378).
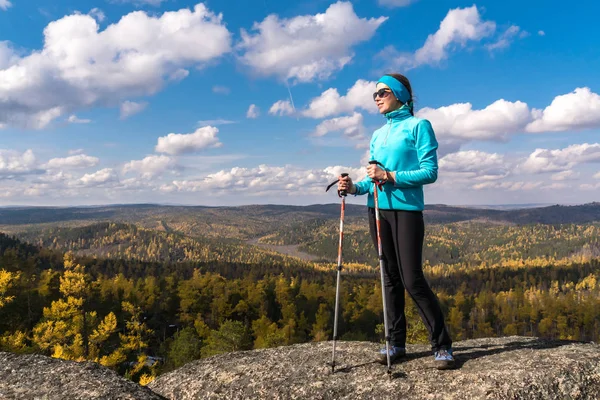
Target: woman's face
point(385, 99)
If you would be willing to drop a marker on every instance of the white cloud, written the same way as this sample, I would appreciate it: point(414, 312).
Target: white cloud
point(135, 184)
point(352, 126)
point(543, 160)
point(459, 123)
point(36, 190)
point(330, 103)
point(179, 75)
point(154, 3)
point(579, 109)
point(282, 107)
point(36, 120)
point(214, 122)
point(75, 152)
point(596, 175)
point(98, 14)
point(307, 47)
point(511, 186)
point(366, 157)
point(541, 33)
point(54, 177)
point(74, 120)
point(202, 138)
point(9, 192)
point(506, 38)
point(395, 3)
point(459, 27)
point(7, 55)
point(495, 122)
point(265, 179)
point(13, 163)
point(150, 166)
point(590, 186)
point(129, 108)
point(565, 175)
point(5, 4)
point(356, 174)
point(76, 161)
point(99, 178)
point(253, 111)
point(474, 165)
point(221, 89)
point(80, 66)
point(555, 186)
point(103, 184)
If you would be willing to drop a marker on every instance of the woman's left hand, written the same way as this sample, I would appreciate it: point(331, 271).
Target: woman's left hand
point(376, 173)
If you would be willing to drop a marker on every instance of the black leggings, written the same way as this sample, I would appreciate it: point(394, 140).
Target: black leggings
point(402, 234)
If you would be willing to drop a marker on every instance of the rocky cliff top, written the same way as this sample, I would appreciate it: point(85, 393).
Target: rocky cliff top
point(44, 378)
point(499, 368)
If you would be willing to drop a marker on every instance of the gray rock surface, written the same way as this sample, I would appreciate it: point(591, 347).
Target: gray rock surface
point(44, 378)
point(497, 368)
point(492, 369)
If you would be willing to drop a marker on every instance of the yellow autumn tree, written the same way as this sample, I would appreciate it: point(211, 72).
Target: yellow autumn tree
point(134, 342)
point(69, 330)
point(17, 341)
point(7, 280)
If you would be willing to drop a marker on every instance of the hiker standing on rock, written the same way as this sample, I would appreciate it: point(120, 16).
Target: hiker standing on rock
point(407, 149)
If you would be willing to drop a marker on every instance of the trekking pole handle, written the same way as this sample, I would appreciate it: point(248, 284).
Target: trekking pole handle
point(340, 192)
point(378, 183)
point(343, 192)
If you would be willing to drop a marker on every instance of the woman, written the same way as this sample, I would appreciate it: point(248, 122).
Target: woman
point(406, 146)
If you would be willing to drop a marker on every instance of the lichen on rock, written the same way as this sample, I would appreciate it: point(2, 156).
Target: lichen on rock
point(493, 369)
point(43, 378)
point(498, 368)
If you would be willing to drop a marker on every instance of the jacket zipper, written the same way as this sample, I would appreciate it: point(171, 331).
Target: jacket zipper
point(388, 132)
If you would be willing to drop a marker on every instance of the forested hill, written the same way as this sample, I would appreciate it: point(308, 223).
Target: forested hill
point(439, 213)
point(120, 284)
point(253, 216)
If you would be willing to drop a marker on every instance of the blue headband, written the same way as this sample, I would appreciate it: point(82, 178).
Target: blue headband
point(399, 90)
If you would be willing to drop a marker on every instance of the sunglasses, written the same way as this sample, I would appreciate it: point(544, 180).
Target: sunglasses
point(381, 93)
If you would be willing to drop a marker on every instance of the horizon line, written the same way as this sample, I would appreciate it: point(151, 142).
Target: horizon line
point(167, 204)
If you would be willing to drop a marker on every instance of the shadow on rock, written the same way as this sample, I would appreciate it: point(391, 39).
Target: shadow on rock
point(464, 354)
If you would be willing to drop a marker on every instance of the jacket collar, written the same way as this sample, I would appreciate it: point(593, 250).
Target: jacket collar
point(399, 114)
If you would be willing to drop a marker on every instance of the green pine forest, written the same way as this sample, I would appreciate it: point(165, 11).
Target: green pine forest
point(145, 289)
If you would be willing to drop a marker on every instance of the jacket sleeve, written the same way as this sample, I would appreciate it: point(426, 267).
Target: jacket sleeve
point(426, 145)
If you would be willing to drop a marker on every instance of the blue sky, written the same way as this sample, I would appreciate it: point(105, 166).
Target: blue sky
point(229, 102)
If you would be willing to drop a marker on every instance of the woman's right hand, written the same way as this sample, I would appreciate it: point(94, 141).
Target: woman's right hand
point(345, 184)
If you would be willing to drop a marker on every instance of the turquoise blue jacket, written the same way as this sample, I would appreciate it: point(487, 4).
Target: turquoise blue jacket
point(407, 146)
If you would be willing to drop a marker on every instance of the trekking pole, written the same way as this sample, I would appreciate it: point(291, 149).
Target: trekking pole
point(342, 194)
point(376, 186)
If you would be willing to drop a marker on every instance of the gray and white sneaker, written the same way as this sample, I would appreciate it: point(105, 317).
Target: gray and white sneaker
point(444, 359)
point(396, 353)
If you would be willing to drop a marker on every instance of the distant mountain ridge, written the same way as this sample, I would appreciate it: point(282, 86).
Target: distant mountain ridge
point(434, 213)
